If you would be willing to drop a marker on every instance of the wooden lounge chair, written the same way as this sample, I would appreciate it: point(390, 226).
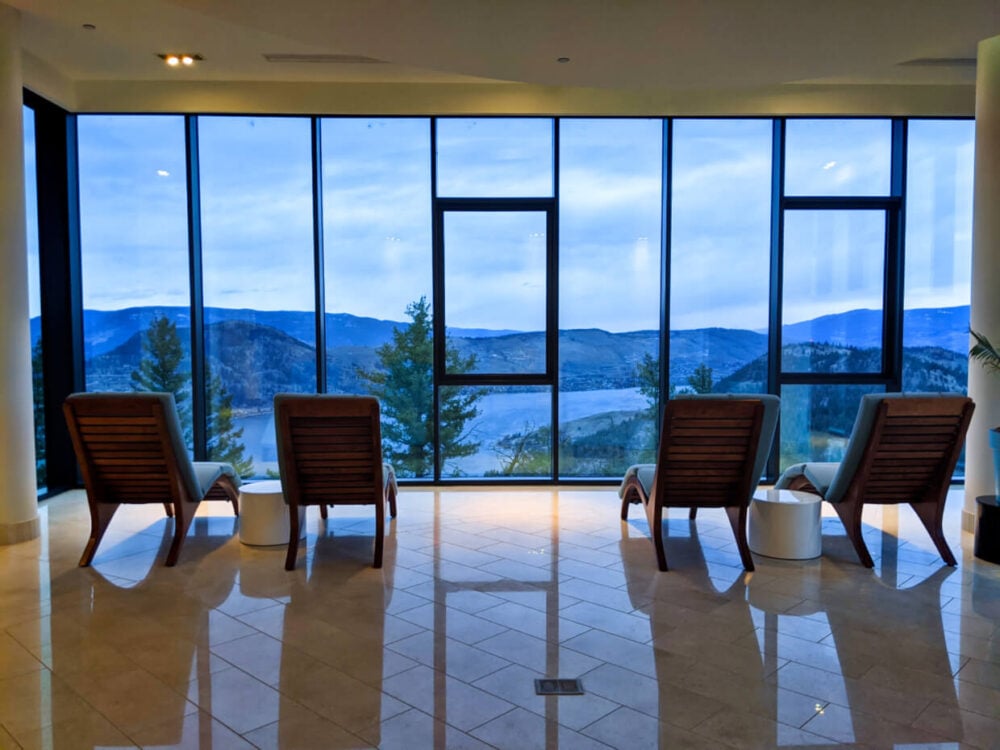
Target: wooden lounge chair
point(903, 449)
point(711, 455)
point(330, 453)
point(131, 450)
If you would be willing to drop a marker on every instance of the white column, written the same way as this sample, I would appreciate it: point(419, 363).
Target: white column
point(984, 387)
point(18, 492)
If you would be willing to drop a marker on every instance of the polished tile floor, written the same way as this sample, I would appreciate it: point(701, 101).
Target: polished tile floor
point(482, 592)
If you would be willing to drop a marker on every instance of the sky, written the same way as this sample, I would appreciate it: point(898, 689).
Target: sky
point(256, 213)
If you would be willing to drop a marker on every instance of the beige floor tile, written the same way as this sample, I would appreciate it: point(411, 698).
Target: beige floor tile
point(445, 698)
point(6, 740)
point(15, 659)
point(240, 701)
point(87, 731)
point(37, 700)
point(413, 729)
point(298, 728)
point(192, 732)
point(626, 728)
point(527, 730)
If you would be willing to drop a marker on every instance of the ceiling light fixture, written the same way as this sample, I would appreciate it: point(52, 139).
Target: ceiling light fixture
point(562, 59)
point(180, 59)
point(89, 27)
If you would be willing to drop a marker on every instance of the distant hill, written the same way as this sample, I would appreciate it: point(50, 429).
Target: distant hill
point(947, 328)
point(925, 368)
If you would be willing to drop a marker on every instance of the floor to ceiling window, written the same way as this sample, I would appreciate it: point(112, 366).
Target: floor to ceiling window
point(256, 184)
point(938, 269)
point(134, 256)
point(838, 212)
point(610, 235)
point(495, 241)
point(377, 271)
point(499, 283)
point(720, 248)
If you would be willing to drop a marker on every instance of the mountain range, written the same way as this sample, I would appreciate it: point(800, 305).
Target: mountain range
point(259, 353)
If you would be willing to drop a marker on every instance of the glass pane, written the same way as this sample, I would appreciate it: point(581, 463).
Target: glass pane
point(34, 292)
point(494, 157)
point(133, 213)
point(832, 291)
point(610, 200)
point(838, 157)
point(816, 420)
point(494, 280)
point(938, 255)
point(720, 259)
point(496, 431)
point(256, 191)
point(377, 246)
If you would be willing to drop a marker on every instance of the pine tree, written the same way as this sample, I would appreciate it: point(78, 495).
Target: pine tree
point(701, 379)
point(160, 371)
point(404, 385)
point(224, 442)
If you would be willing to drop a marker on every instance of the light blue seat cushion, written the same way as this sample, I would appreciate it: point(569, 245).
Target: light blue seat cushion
point(644, 472)
point(388, 477)
point(819, 475)
point(772, 407)
point(207, 472)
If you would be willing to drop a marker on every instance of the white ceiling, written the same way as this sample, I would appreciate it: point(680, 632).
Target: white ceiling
point(655, 45)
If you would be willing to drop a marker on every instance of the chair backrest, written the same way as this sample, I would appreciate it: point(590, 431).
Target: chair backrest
point(772, 408)
point(329, 449)
point(130, 447)
point(903, 446)
point(708, 451)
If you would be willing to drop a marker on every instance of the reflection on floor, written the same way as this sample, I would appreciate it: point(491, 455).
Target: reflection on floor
point(482, 592)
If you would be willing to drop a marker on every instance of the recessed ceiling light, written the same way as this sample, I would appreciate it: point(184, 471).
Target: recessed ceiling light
point(562, 59)
point(162, 173)
point(830, 165)
point(180, 59)
point(89, 27)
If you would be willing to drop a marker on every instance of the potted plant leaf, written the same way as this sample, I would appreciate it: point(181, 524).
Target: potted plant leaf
point(986, 354)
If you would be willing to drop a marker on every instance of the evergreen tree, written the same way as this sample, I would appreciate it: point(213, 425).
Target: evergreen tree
point(701, 379)
point(160, 371)
point(159, 368)
point(224, 442)
point(38, 393)
point(647, 372)
point(404, 385)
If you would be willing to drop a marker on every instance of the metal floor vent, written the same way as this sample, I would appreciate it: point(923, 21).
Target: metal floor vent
point(558, 686)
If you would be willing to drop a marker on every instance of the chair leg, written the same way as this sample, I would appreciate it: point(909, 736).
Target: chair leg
point(654, 514)
point(692, 513)
point(392, 501)
point(169, 509)
point(322, 511)
point(379, 533)
point(632, 496)
point(183, 515)
point(850, 515)
point(293, 536)
point(930, 516)
point(738, 520)
point(100, 517)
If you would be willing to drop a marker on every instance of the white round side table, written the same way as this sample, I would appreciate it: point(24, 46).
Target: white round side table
point(785, 524)
point(264, 515)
